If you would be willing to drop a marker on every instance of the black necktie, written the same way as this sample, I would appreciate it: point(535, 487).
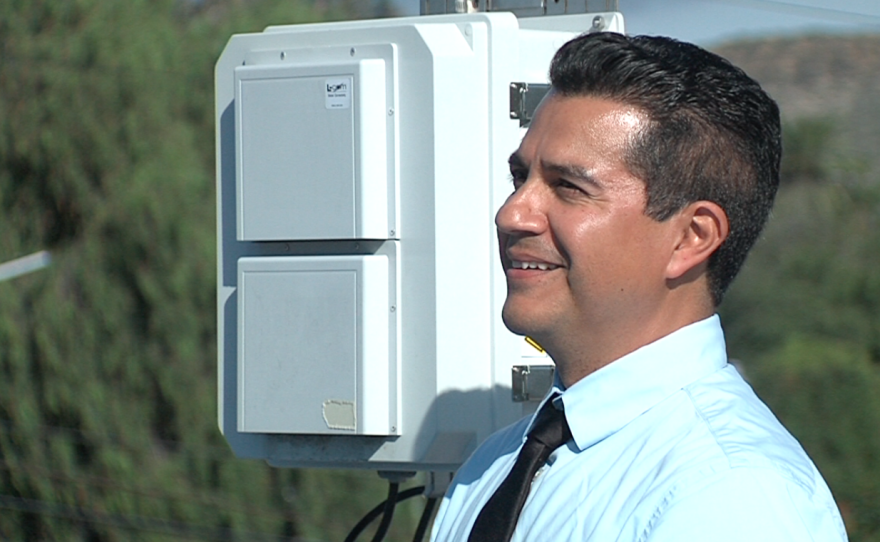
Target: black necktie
point(498, 518)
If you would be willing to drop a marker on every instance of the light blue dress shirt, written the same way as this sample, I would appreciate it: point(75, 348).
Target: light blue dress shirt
point(670, 445)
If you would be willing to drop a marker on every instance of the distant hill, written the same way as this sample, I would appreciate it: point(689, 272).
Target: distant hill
point(825, 76)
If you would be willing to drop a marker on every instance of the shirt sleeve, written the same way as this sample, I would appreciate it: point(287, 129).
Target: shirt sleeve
point(747, 505)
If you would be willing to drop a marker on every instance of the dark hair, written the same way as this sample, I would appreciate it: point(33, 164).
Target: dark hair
point(713, 133)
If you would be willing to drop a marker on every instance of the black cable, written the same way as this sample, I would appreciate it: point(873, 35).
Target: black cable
point(390, 504)
point(374, 513)
point(425, 519)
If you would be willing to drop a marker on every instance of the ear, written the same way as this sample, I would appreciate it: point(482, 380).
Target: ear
point(704, 227)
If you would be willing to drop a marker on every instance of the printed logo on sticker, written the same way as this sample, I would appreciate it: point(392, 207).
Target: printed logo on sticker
point(337, 93)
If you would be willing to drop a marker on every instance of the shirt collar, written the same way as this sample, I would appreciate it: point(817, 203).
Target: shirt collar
point(604, 401)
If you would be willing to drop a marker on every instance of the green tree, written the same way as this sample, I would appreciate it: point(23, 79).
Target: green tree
point(107, 359)
point(804, 317)
point(826, 393)
point(807, 147)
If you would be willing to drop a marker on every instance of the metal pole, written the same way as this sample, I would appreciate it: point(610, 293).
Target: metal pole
point(24, 265)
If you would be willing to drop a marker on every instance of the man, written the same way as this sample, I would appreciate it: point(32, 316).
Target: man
point(643, 181)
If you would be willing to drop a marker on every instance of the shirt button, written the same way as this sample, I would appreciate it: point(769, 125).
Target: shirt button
point(540, 472)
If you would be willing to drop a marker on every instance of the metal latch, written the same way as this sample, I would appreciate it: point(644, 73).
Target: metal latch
point(524, 99)
point(531, 382)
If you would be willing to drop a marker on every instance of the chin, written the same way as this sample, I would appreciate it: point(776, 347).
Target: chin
point(517, 322)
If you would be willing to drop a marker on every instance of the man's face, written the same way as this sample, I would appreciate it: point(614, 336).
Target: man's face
point(583, 261)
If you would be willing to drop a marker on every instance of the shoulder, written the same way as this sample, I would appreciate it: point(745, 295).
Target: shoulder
point(745, 503)
point(744, 431)
point(476, 480)
point(504, 442)
point(742, 476)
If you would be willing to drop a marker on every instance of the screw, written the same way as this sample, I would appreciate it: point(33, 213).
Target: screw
point(351, 52)
point(598, 23)
point(390, 111)
point(393, 308)
point(283, 55)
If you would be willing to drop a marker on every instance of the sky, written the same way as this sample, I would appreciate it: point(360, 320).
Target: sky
point(710, 22)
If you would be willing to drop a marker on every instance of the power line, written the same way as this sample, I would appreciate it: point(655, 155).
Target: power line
point(813, 12)
point(48, 433)
point(196, 498)
point(108, 439)
point(137, 523)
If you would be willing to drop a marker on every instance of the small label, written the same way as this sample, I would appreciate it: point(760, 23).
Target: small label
point(535, 344)
point(337, 93)
point(532, 349)
point(340, 414)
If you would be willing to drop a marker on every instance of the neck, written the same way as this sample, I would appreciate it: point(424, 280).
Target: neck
point(579, 356)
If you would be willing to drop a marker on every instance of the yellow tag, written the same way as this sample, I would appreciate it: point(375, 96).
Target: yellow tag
point(534, 344)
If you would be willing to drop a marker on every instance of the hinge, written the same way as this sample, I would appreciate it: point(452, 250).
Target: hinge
point(531, 382)
point(524, 99)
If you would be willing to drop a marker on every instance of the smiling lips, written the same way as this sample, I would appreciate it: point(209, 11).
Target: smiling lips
point(515, 264)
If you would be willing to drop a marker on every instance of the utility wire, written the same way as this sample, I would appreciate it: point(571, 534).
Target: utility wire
point(138, 523)
point(814, 12)
point(110, 440)
point(49, 433)
point(110, 484)
point(53, 433)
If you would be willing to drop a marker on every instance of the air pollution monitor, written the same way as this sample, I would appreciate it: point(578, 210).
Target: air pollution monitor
point(359, 168)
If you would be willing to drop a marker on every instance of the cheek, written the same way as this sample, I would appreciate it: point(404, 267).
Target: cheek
point(648, 253)
point(596, 256)
point(614, 253)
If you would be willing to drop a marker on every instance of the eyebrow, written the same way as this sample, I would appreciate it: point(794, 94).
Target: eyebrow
point(569, 171)
point(516, 161)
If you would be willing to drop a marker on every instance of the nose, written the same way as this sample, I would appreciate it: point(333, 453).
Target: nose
point(522, 214)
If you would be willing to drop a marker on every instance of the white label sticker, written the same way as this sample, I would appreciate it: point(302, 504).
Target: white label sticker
point(340, 414)
point(337, 93)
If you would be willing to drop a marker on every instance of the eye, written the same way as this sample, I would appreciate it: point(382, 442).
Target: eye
point(567, 187)
point(518, 177)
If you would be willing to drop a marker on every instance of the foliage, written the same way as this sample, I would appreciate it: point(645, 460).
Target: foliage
point(804, 317)
point(107, 366)
point(826, 392)
point(807, 145)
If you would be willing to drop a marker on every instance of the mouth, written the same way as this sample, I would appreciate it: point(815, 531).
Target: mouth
point(542, 266)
